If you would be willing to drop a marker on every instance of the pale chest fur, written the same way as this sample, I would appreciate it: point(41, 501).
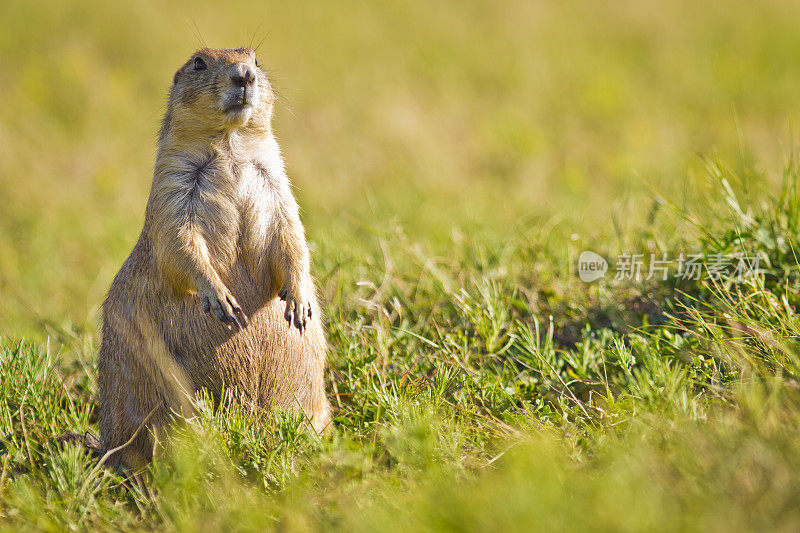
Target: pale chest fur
point(256, 201)
point(250, 192)
point(231, 198)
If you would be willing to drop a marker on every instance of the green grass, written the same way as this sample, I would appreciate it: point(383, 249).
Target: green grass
point(452, 162)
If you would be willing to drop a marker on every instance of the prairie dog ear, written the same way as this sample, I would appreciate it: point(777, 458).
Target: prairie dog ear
point(175, 77)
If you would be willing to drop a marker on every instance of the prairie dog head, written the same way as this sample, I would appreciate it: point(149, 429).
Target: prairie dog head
point(220, 90)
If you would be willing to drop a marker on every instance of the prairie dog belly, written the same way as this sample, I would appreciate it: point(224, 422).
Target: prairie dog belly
point(258, 362)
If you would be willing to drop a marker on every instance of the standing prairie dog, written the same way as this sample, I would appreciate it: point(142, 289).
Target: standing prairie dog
point(199, 303)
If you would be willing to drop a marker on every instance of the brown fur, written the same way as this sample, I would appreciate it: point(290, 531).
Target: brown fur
point(221, 231)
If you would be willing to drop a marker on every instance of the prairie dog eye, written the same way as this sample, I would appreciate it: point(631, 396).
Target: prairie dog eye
point(256, 60)
point(199, 64)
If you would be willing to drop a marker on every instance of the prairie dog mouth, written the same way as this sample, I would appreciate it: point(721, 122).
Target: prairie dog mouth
point(239, 99)
point(237, 115)
point(239, 107)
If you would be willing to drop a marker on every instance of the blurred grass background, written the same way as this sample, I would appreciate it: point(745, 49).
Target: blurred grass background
point(470, 115)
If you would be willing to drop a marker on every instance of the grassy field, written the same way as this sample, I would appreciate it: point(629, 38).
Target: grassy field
point(452, 161)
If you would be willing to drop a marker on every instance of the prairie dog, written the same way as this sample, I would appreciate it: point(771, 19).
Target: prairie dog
point(199, 303)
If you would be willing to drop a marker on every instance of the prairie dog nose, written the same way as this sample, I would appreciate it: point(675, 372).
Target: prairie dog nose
point(241, 74)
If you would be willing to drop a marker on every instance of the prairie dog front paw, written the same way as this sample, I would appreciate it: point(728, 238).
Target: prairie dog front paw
point(298, 307)
point(221, 304)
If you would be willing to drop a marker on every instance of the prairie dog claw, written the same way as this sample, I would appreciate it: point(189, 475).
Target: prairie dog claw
point(298, 309)
point(222, 305)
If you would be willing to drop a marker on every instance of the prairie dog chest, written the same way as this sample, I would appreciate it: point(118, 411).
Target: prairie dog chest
point(255, 199)
point(257, 202)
